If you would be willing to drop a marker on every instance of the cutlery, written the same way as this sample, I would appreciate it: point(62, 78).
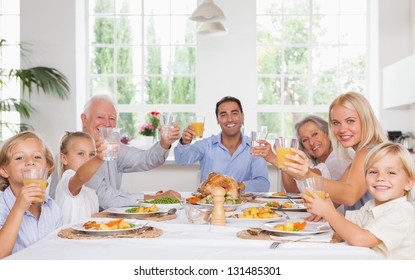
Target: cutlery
point(280, 209)
point(170, 212)
point(275, 244)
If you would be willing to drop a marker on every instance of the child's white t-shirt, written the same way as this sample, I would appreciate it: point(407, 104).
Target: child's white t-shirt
point(77, 207)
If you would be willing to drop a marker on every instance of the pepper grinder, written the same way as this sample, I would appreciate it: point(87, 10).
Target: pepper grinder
point(218, 214)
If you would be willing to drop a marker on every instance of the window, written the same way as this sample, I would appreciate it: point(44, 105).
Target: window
point(143, 52)
point(308, 52)
point(9, 59)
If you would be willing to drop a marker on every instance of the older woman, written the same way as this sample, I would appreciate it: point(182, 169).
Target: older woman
point(353, 124)
point(313, 136)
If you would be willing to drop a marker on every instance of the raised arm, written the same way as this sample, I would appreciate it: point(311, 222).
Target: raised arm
point(87, 170)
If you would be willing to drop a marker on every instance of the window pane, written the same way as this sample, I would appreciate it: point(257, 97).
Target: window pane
point(325, 60)
point(353, 6)
point(296, 6)
point(183, 30)
point(128, 89)
point(129, 122)
point(101, 83)
point(272, 121)
point(269, 7)
point(325, 89)
point(129, 6)
point(156, 7)
point(352, 29)
point(325, 6)
point(269, 30)
point(101, 6)
point(129, 61)
point(103, 30)
point(325, 30)
point(269, 90)
point(183, 90)
point(184, 60)
point(129, 30)
point(295, 29)
point(157, 30)
point(268, 60)
point(296, 60)
point(102, 61)
point(296, 90)
point(157, 90)
point(157, 60)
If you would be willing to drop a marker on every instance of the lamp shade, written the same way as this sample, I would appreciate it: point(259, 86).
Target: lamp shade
point(211, 28)
point(207, 12)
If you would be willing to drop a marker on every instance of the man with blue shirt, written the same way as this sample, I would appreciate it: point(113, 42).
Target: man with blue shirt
point(228, 153)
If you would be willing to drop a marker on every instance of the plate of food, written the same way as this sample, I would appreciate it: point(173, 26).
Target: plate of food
point(281, 195)
point(287, 206)
point(255, 214)
point(107, 226)
point(293, 227)
point(135, 212)
point(163, 204)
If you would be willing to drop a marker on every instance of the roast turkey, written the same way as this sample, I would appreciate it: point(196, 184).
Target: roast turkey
point(214, 180)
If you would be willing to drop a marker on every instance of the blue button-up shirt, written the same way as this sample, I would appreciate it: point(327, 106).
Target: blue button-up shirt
point(215, 157)
point(31, 229)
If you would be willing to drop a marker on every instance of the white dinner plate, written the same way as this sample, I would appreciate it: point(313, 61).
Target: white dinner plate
point(225, 206)
point(310, 228)
point(79, 227)
point(295, 207)
point(122, 212)
point(290, 195)
point(249, 220)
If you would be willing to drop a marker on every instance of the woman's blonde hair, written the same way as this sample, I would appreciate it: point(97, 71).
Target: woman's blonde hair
point(9, 144)
point(372, 132)
point(383, 150)
point(64, 144)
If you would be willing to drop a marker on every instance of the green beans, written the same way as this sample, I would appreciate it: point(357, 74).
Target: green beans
point(163, 200)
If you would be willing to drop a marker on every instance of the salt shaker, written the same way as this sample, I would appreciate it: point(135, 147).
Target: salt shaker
point(218, 214)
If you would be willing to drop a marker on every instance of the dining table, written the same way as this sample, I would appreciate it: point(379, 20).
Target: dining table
point(181, 240)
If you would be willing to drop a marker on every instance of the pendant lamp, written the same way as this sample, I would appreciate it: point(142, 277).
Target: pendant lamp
point(211, 28)
point(208, 12)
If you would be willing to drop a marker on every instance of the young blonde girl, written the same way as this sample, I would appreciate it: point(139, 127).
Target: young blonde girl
point(387, 223)
point(79, 160)
point(23, 218)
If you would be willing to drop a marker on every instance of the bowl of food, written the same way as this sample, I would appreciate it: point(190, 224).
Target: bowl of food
point(164, 203)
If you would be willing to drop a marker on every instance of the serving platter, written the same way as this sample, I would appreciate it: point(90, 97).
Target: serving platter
point(225, 206)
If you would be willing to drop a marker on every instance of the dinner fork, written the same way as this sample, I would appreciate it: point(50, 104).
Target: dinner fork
point(280, 209)
point(274, 245)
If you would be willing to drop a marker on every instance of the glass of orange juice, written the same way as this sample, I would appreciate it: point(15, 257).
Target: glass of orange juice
point(36, 175)
point(198, 124)
point(283, 147)
point(316, 184)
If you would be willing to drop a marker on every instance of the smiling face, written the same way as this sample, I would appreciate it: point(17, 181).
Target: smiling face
point(346, 126)
point(101, 114)
point(387, 180)
point(80, 149)
point(315, 141)
point(27, 153)
point(230, 118)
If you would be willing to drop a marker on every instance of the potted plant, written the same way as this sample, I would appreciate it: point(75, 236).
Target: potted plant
point(49, 80)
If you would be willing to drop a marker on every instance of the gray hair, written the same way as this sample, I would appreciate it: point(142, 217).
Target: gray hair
point(98, 97)
point(319, 122)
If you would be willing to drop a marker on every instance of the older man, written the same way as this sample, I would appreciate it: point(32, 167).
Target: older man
point(100, 111)
point(228, 152)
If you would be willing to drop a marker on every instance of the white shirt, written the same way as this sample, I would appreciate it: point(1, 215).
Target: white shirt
point(392, 222)
point(333, 168)
point(75, 207)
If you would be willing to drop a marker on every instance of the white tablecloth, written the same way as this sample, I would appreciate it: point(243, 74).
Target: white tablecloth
point(184, 241)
